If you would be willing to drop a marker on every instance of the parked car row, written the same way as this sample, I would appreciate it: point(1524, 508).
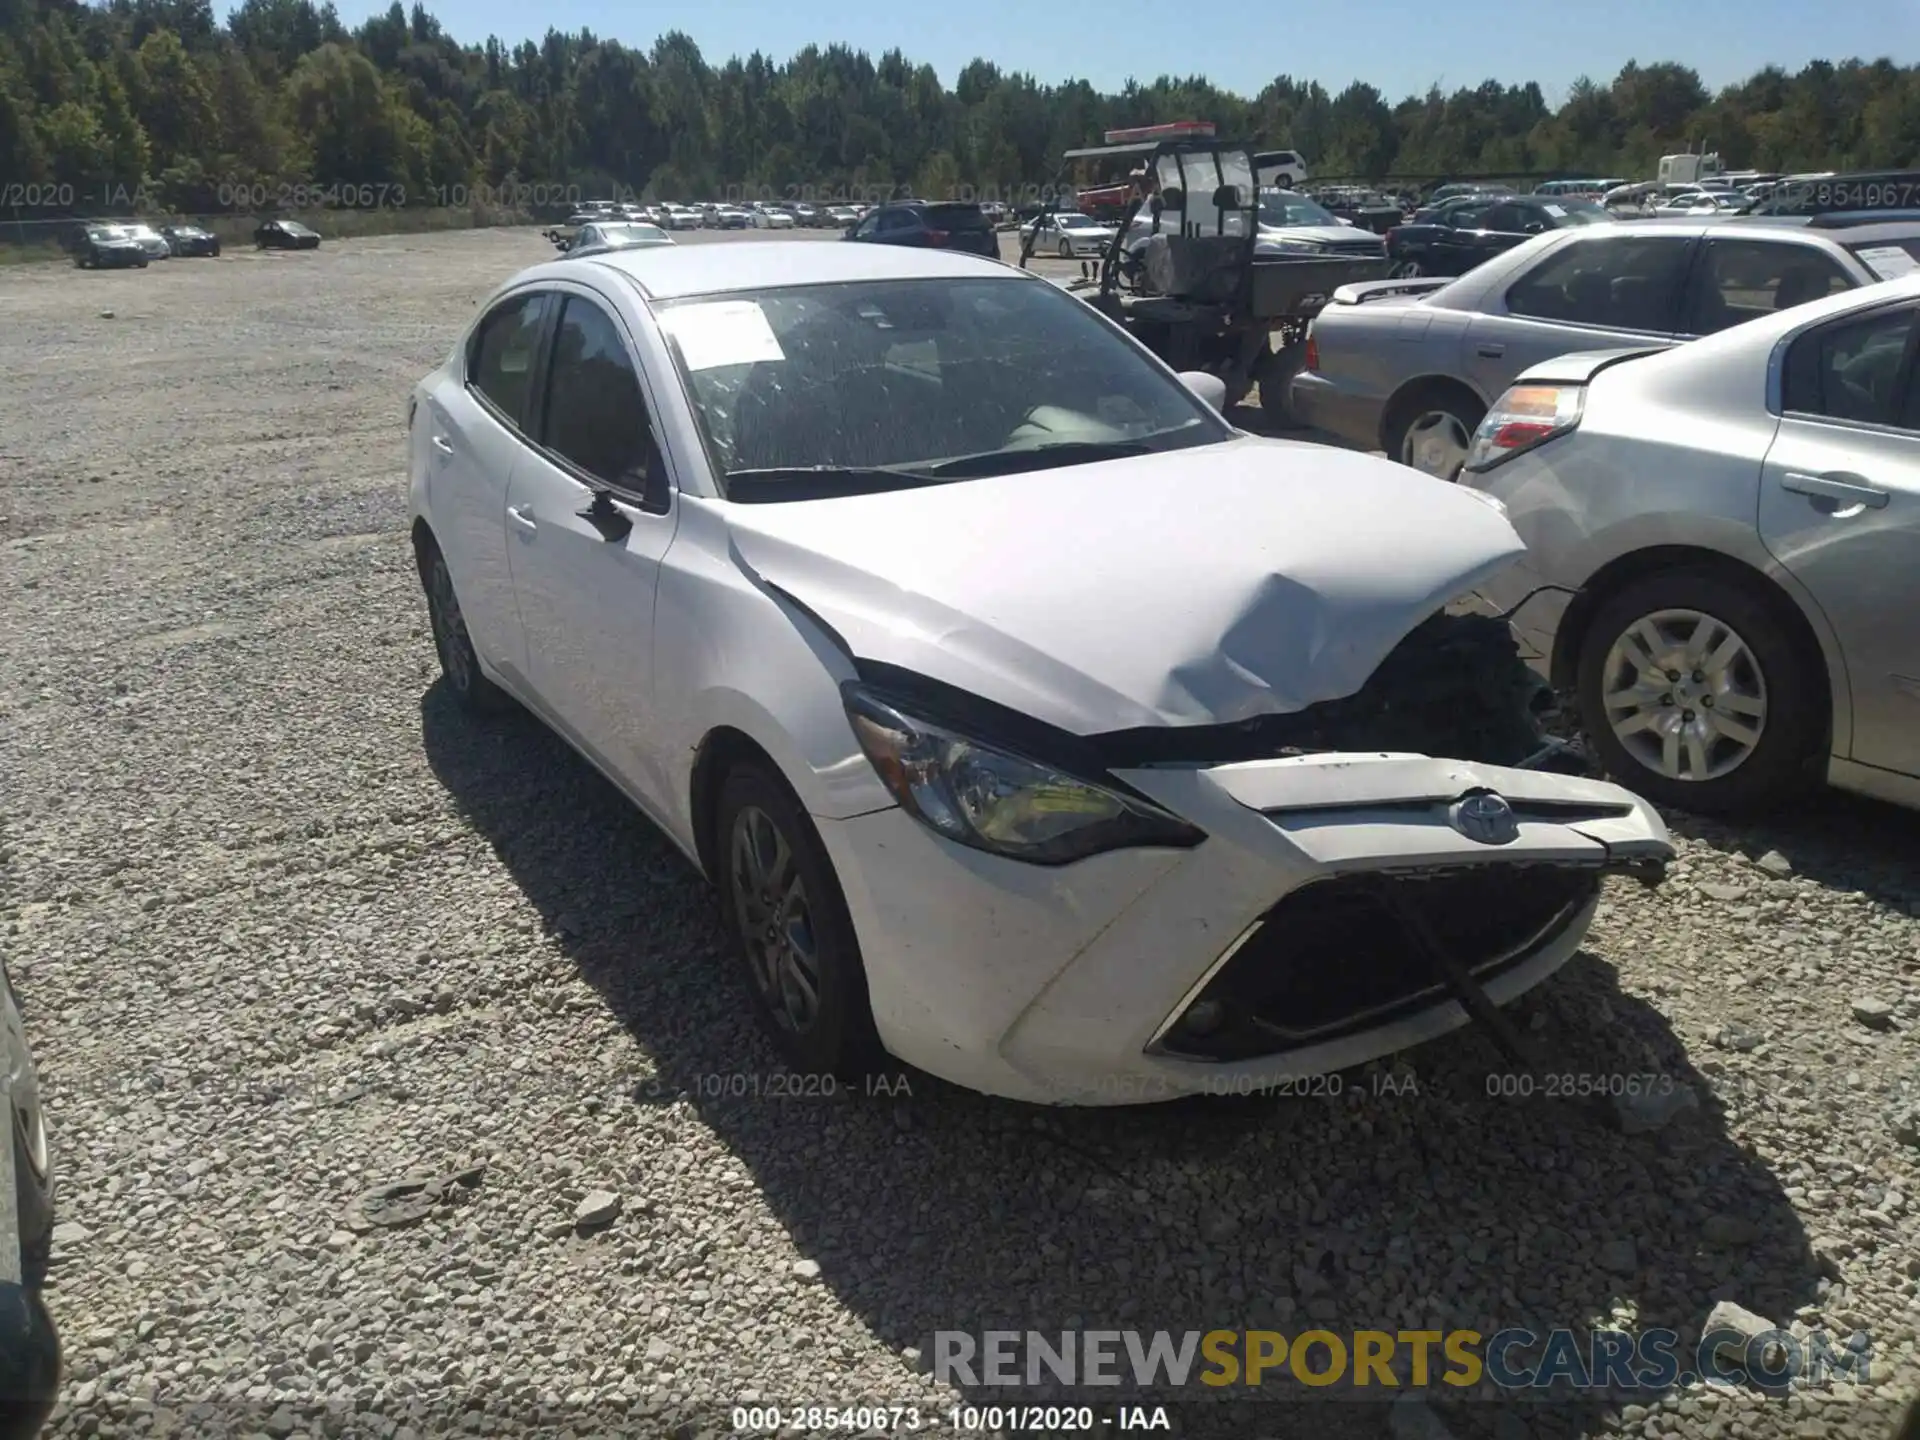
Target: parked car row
point(1708, 434)
point(111, 245)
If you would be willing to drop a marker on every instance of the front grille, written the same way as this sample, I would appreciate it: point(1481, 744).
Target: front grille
point(1332, 958)
point(1372, 247)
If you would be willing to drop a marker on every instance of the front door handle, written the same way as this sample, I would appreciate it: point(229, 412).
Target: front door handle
point(443, 445)
point(523, 517)
point(1489, 352)
point(1825, 487)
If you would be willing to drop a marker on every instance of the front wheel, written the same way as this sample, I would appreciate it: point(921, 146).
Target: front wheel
point(1432, 435)
point(1696, 694)
point(1405, 270)
point(783, 907)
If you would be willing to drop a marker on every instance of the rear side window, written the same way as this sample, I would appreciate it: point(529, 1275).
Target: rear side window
point(1622, 283)
point(596, 416)
point(896, 220)
point(1740, 280)
point(500, 357)
point(1852, 370)
point(956, 217)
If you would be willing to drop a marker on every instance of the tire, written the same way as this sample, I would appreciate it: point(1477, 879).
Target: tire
point(1431, 432)
point(32, 1166)
point(1740, 776)
point(834, 1035)
point(1276, 387)
point(458, 661)
point(1066, 249)
point(1405, 270)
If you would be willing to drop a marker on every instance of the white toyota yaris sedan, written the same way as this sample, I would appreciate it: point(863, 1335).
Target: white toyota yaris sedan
point(1038, 727)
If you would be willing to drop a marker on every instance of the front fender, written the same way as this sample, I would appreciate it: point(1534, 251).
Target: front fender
point(733, 652)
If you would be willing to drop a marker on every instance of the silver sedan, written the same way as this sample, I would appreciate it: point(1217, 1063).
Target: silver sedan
point(1410, 366)
point(1724, 549)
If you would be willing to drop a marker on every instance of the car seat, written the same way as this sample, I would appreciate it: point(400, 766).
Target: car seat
point(1798, 285)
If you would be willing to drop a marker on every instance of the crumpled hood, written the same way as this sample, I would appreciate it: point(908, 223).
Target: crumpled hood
point(1199, 586)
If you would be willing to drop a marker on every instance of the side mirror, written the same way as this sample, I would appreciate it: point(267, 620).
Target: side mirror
point(1206, 386)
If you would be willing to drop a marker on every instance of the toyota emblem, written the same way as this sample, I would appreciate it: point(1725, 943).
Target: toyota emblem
point(1485, 817)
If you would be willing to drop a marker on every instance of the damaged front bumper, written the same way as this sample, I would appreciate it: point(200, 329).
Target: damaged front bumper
point(1306, 934)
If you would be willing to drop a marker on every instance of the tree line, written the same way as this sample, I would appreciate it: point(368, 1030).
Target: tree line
point(158, 99)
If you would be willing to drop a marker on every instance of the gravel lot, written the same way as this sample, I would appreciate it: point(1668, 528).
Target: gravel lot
point(287, 927)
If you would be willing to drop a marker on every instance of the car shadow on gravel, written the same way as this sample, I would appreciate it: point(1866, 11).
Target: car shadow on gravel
point(1422, 1197)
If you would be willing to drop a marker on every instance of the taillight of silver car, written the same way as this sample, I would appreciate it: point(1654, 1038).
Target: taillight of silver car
point(1523, 419)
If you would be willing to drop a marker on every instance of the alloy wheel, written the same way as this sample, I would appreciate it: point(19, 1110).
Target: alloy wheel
point(1436, 443)
point(775, 919)
point(1406, 270)
point(1684, 695)
point(449, 629)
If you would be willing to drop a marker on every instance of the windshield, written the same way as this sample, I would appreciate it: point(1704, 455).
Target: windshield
point(1073, 220)
point(1567, 210)
point(898, 376)
point(632, 234)
point(1283, 207)
point(1890, 259)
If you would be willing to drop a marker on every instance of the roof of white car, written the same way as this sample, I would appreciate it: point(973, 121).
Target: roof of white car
point(663, 273)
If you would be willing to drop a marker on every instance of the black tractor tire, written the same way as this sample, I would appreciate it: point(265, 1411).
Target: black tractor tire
point(1276, 386)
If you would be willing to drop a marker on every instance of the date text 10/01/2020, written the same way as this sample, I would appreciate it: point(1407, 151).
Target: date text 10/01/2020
point(753, 1420)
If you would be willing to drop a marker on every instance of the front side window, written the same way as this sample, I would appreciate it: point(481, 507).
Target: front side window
point(1739, 280)
point(595, 415)
point(500, 355)
point(1621, 283)
point(1852, 370)
point(912, 380)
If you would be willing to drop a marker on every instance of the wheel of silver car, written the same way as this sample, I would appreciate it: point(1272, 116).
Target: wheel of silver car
point(1696, 692)
point(1066, 249)
point(1405, 270)
point(788, 920)
point(1435, 441)
point(1684, 695)
point(458, 660)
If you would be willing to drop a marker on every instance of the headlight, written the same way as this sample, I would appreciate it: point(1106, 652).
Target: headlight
point(1525, 417)
point(1290, 244)
point(994, 800)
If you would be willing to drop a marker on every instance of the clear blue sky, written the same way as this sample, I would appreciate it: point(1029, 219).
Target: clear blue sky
point(1400, 47)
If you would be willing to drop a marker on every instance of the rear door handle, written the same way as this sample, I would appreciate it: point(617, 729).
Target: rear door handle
point(1825, 488)
point(1489, 352)
point(523, 517)
point(443, 445)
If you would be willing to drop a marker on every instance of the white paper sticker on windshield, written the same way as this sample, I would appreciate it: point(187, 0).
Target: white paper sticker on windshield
point(1889, 262)
point(1556, 211)
point(722, 332)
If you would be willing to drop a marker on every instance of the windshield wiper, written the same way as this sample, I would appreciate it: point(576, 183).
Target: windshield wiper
point(1037, 457)
point(821, 482)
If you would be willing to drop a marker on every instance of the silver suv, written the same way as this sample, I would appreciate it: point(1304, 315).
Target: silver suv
point(1410, 366)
